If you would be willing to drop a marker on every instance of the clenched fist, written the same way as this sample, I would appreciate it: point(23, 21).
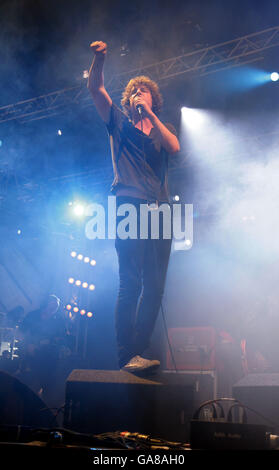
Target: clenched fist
point(99, 48)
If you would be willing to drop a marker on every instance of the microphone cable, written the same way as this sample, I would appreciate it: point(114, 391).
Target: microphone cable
point(155, 254)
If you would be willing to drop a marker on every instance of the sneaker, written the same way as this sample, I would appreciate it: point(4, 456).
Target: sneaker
point(138, 363)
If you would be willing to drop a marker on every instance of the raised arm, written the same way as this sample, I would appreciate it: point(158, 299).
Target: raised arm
point(95, 83)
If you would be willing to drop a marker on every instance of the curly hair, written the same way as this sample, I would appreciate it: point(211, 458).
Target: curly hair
point(157, 99)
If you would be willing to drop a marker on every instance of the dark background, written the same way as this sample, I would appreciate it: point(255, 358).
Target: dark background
point(229, 277)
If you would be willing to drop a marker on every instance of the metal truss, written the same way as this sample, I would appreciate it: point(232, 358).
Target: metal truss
point(204, 61)
point(208, 60)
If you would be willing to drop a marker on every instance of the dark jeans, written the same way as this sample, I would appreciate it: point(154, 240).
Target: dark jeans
point(142, 272)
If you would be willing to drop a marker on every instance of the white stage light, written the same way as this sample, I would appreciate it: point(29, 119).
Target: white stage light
point(274, 76)
point(193, 118)
point(79, 210)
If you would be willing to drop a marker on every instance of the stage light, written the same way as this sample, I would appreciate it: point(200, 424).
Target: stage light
point(82, 312)
point(85, 74)
point(89, 314)
point(192, 118)
point(176, 198)
point(78, 283)
point(59, 132)
point(75, 309)
point(71, 280)
point(78, 210)
point(68, 307)
point(19, 232)
point(274, 76)
point(91, 287)
point(86, 259)
point(85, 285)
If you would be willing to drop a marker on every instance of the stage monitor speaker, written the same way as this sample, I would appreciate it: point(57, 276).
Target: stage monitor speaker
point(19, 405)
point(260, 393)
point(100, 401)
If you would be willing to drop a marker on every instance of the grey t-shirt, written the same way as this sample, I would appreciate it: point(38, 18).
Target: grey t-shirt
point(140, 163)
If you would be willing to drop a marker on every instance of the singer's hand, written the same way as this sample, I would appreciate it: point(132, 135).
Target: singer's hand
point(99, 48)
point(145, 108)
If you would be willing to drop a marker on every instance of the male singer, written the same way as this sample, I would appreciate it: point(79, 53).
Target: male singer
point(140, 145)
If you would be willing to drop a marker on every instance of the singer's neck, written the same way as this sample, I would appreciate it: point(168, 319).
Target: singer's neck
point(143, 124)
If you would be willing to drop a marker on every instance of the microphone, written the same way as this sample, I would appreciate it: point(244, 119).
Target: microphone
point(139, 109)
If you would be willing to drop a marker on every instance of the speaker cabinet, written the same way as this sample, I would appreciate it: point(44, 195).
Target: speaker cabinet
point(19, 405)
point(260, 393)
point(105, 401)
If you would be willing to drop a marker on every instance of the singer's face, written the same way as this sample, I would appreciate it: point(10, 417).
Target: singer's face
point(140, 92)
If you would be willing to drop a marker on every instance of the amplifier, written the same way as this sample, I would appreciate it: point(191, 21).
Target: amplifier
point(229, 436)
point(192, 348)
